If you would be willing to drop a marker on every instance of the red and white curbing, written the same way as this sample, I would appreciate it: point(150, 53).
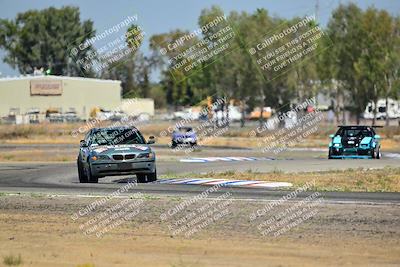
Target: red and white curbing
point(227, 183)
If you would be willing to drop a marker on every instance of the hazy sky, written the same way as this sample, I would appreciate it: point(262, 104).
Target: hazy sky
point(162, 16)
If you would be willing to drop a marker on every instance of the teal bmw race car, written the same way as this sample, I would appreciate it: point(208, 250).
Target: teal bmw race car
point(355, 142)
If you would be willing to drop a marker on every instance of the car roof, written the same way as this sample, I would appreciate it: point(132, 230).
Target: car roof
point(114, 128)
point(358, 126)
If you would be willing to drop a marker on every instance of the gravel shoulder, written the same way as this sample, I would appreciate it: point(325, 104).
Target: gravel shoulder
point(44, 231)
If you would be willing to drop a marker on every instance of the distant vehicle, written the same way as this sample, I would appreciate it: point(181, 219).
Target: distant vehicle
point(184, 135)
point(116, 151)
point(355, 142)
point(393, 109)
point(234, 113)
point(256, 113)
point(167, 116)
point(71, 116)
point(143, 117)
point(33, 115)
point(183, 115)
point(56, 118)
point(192, 113)
point(290, 120)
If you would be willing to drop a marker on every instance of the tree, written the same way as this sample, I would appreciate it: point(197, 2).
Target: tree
point(392, 62)
point(37, 39)
point(345, 33)
point(132, 70)
point(376, 31)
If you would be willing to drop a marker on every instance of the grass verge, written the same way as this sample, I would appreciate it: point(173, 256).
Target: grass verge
point(349, 180)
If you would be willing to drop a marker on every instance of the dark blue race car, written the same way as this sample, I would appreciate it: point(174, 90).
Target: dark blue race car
point(355, 142)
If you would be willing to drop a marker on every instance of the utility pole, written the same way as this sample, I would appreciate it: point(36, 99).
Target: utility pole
point(317, 12)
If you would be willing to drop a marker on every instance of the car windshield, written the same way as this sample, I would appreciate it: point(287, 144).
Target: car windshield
point(354, 133)
point(184, 130)
point(117, 137)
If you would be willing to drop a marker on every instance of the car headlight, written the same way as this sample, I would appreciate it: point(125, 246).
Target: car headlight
point(99, 157)
point(150, 155)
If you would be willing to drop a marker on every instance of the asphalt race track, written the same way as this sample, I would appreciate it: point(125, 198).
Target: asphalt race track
point(61, 178)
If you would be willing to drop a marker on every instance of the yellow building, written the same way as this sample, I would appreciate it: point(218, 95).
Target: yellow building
point(24, 94)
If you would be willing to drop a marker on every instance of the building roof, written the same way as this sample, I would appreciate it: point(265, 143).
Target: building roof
point(53, 77)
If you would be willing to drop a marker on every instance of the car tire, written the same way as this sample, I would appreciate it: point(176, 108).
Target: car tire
point(373, 153)
point(330, 154)
point(141, 178)
point(378, 153)
point(173, 145)
point(81, 173)
point(91, 178)
point(152, 177)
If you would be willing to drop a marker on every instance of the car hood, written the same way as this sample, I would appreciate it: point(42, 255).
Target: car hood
point(120, 149)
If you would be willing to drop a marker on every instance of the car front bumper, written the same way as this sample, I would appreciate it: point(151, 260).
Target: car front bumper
point(187, 140)
point(122, 168)
point(351, 152)
point(351, 157)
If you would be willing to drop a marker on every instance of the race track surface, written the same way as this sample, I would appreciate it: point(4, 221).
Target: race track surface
point(61, 178)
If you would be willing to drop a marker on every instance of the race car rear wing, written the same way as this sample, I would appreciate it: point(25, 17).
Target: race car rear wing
point(355, 126)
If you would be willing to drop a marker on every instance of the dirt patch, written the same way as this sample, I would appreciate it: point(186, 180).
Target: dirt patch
point(41, 230)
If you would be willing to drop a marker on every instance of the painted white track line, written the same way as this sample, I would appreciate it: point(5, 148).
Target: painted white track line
point(214, 159)
point(227, 183)
point(392, 155)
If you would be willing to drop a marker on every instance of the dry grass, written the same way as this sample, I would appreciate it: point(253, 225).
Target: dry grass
point(12, 260)
point(37, 155)
point(351, 180)
point(47, 133)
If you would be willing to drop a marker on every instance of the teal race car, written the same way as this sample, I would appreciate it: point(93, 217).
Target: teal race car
point(355, 142)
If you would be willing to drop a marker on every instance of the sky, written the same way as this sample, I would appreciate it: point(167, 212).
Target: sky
point(160, 16)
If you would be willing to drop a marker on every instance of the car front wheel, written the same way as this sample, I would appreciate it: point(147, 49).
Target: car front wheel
point(141, 178)
point(91, 177)
point(147, 178)
point(81, 173)
point(378, 153)
point(152, 177)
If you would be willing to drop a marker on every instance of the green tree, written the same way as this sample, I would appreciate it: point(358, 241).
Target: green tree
point(344, 30)
point(40, 39)
point(373, 60)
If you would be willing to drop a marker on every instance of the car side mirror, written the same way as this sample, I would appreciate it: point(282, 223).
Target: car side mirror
point(377, 136)
point(152, 140)
point(83, 143)
point(331, 135)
